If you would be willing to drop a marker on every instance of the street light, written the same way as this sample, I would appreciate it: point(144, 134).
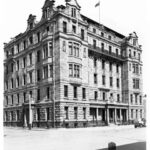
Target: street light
point(30, 112)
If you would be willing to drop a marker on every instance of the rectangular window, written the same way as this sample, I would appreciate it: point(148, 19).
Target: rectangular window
point(102, 46)
point(12, 99)
point(129, 53)
point(31, 39)
point(38, 56)
point(66, 112)
point(38, 94)
point(64, 46)
point(82, 34)
point(24, 97)
point(94, 43)
point(24, 62)
point(30, 58)
point(65, 91)
point(140, 100)
point(117, 83)
point(111, 81)
point(24, 79)
point(104, 96)
point(17, 64)
point(17, 80)
point(70, 49)
point(73, 12)
point(95, 95)
point(50, 49)
point(110, 66)
point(84, 113)
point(47, 92)
point(12, 83)
point(103, 64)
point(139, 57)
point(74, 29)
point(94, 30)
point(95, 62)
point(38, 37)
point(45, 51)
point(136, 99)
point(75, 92)
point(64, 27)
point(6, 100)
point(24, 44)
point(76, 71)
point(30, 77)
point(38, 75)
point(102, 34)
point(117, 68)
point(45, 68)
point(95, 78)
point(18, 98)
point(131, 99)
point(118, 98)
point(110, 49)
point(18, 48)
point(30, 94)
point(71, 70)
point(12, 67)
point(103, 79)
point(51, 71)
point(83, 93)
point(117, 53)
point(75, 112)
point(136, 114)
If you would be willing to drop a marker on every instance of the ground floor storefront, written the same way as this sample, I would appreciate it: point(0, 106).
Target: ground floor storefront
point(68, 115)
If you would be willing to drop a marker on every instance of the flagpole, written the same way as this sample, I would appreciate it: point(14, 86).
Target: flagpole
point(99, 12)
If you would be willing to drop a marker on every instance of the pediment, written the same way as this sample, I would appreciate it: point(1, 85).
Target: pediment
point(73, 3)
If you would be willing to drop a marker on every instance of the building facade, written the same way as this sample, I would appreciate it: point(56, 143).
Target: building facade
point(67, 70)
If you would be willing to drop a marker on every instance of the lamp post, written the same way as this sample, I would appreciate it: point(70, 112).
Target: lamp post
point(30, 113)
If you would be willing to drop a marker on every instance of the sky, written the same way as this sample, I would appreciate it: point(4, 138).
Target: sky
point(123, 16)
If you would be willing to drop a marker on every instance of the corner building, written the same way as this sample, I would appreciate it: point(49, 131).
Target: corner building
point(69, 71)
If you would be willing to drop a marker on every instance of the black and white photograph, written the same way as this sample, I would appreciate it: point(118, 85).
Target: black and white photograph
point(74, 74)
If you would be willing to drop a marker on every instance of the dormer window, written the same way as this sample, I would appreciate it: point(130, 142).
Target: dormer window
point(102, 34)
point(31, 40)
point(109, 37)
point(94, 30)
point(134, 42)
point(31, 25)
point(73, 12)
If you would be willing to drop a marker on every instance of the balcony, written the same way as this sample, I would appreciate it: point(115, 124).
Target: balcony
point(105, 53)
point(76, 81)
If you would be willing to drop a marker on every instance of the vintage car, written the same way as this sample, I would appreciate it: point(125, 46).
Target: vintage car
point(140, 123)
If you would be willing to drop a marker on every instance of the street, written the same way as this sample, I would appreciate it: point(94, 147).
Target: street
point(96, 138)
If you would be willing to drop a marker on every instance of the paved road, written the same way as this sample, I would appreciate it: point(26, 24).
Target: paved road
point(73, 139)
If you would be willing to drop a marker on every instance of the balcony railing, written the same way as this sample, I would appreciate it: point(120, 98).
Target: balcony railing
point(106, 53)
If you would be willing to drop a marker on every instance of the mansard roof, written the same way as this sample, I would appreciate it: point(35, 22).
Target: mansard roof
point(105, 27)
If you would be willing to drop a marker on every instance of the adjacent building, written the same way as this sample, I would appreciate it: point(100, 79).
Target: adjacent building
point(68, 70)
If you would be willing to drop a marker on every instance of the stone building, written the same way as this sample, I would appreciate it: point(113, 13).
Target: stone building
point(67, 70)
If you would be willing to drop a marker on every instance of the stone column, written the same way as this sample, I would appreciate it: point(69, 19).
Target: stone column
point(121, 115)
point(97, 114)
point(107, 115)
point(115, 115)
point(127, 118)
